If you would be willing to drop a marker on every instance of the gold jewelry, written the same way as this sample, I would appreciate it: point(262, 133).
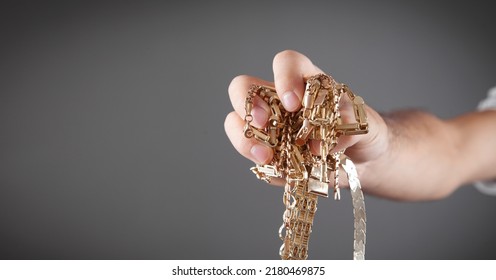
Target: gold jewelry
point(307, 175)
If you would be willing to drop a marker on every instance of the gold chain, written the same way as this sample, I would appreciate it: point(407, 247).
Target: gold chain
point(307, 175)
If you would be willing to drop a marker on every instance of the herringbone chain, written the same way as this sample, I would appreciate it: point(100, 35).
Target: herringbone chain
point(308, 175)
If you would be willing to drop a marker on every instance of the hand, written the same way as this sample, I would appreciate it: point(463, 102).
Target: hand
point(406, 155)
point(290, 68)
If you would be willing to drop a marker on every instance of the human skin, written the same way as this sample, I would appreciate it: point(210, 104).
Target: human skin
point(407, 155)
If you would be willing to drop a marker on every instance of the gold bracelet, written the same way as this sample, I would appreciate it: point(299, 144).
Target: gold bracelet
point(307, 175)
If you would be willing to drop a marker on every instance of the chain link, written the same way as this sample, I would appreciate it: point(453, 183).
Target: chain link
point(307, 175)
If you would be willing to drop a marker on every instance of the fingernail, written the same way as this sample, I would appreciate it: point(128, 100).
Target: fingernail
point(260, 153)
point(290, 101)
point(260, 116)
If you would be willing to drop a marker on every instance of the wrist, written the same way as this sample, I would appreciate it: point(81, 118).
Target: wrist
point(421, 161)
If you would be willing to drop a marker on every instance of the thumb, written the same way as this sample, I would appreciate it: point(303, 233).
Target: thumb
point(290, 68)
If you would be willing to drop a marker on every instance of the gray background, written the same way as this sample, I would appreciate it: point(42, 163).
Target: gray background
point(112, 143)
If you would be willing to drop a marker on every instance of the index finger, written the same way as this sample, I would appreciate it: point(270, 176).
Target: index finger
point(238, 91)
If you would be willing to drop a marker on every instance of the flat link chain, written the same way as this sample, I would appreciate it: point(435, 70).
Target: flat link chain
point(308, 176)
point(359, 215)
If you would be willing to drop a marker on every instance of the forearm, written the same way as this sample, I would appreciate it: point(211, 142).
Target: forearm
point(476, 147)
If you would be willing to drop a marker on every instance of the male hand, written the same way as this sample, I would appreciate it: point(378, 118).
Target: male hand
point(290, 68)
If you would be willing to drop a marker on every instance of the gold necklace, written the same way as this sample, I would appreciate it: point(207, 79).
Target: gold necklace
point(307, 175)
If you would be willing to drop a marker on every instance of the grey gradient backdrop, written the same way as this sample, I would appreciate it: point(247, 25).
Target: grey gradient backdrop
point(112, 143)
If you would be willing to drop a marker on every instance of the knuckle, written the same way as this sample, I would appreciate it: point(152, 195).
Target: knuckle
point(236, 81)
point(229, 122)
